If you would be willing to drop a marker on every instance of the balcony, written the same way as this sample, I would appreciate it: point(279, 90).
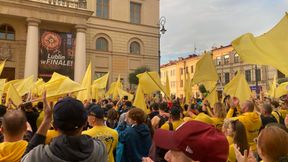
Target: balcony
point(79, 4)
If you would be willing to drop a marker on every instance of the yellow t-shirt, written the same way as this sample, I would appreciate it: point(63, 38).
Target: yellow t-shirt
point(175, 124)
point(230, 140)
point(218, 122)
point(106, 135)
point(50, 135)
point(231, 156)
point(12, 151)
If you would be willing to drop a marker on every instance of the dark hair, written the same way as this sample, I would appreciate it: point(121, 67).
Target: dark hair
point(275, 104)
point(128, 104)
point(163, 106)
point(2, 110)
point(137, 114)
point(155, 106)
point(268, 108)
point(240, 136)
point(175, 113)
point(14, 122)
point(112, 114)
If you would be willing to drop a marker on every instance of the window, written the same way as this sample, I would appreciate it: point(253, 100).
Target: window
point(227, 78)
point(135, 48)
point(258, 74)
point(220, 78)
point(248, 75)
point(101, 44)
point(226, 59)
point(135, 13)
point(181, 71)
point(181, 83)
point(192, 69)
point(186, 70)
point(102, 8)
point(236, 58)
point(7, 32)
point(218, 60)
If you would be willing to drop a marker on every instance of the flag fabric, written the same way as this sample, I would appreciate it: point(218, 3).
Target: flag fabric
point(212, 97)
point(268, 49)
point(123, 93)
point(2, 83)
point(187, 89)
point(281, 90)
point(7, 84)
point(101, 82)
point(86, 83)
point(167, 86)
point(238, 87)
point(273, 86)
point(205, 70)
point(113, 90)
point(2, 65)
point(25, 86)
point(13, 95)
point(139, 100)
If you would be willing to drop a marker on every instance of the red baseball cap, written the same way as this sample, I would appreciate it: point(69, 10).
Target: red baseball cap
point(198, 140)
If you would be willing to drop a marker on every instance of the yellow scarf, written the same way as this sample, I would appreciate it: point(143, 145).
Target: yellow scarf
point(12, 151)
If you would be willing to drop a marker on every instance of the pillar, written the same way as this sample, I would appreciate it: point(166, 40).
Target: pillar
point(80, 53)
point(32, 48)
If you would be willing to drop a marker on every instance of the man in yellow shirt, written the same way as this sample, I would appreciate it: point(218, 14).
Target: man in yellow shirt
point(13, 128)
point(100, 131)
point(250, 119)
point(174, 121)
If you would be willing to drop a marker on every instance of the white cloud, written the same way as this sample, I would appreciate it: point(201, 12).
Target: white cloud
point(215, 22)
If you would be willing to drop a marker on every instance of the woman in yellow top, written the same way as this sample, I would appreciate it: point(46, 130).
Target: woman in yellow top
point(218, 115)
point(174, 120)
point(237, 131)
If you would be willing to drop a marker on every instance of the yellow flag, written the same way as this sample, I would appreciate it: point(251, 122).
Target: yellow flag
point(24, 85)
point(212, 97)
point(113, 90)
point(123, 93)
point(281, 90)
point(13, 95)
point(139, 100)
point(2, 83)
point(238, 87)
point(187, 89)
point(205, 70)
point(7, 84)
point(2, 65)
point(273, 86)
point(150, 82)
point(268, 49)
point(101, 82)
point(37, 88)
point(167, 86)
point(86, 83)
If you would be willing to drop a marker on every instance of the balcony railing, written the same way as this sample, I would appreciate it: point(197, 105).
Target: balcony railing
point(81, 4)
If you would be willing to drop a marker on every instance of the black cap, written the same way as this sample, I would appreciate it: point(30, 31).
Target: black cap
point(69, 114)
point(97, 111)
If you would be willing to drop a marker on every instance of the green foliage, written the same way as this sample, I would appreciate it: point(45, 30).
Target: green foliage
point(132, 76)
point(202, 88)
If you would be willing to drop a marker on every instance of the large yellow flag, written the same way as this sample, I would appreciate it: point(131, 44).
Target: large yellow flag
point(7, 84)
point(86, 83)
point(150, 82)
point(268, 49)
point(281, 90)
point(123, 93)
point(113, 90)
point(101, 82)
point(238, 87)
point(24, 85)
point(2, 65)
point(273, 86)
point(2, 83)
point(205, 70)
point(139, 100)
point(167, 86)
point(13, 95)
point(37, 88)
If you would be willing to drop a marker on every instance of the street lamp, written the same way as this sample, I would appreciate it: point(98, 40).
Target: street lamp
point(162, 30)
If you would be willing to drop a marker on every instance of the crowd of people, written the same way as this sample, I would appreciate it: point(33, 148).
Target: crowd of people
point(168, 130)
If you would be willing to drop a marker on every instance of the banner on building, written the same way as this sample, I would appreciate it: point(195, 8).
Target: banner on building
point(57, 52)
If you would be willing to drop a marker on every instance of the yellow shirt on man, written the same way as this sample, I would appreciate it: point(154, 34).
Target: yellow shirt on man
point(175, 124)
point(12, 151)
point(106, 135)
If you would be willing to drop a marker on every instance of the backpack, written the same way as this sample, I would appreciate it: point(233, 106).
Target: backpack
point(281, 119)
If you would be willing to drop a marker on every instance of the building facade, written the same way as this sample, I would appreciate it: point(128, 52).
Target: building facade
point(115, 36)
point(227, 63)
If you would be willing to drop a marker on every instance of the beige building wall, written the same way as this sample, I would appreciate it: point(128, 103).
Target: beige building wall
point(117, 30)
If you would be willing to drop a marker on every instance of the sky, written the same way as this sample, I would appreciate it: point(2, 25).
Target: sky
point(194, 26)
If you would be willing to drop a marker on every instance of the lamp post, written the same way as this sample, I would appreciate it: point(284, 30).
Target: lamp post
point(162, 30)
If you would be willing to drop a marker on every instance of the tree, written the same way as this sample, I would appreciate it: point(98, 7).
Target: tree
point(132, 76)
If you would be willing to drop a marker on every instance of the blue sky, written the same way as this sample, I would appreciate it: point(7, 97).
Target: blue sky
point(202, 24)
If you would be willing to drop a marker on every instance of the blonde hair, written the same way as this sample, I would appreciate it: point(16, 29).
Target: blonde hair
point(219, 110)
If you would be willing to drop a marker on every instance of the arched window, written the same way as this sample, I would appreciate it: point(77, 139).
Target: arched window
point(101, 44)
point(135, 48)
point(7, 32)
